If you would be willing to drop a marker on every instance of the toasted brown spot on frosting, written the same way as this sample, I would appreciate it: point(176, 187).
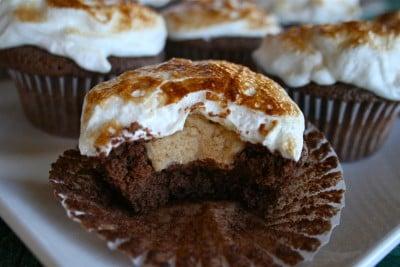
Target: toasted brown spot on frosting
point(29, 13)
point(204, 13)
point(71, 3)
point(107, 132)
point(358, 32)
point(352, 33)
point(298, 37)
point(130, 16)
point(265, 130)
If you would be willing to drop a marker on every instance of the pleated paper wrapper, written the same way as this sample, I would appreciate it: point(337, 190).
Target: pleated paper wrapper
point(211, 233)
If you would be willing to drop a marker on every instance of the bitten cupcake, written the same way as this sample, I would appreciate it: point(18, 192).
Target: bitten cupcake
point(344, 77)
point(57, 50)
point(217, 29)
point(292, 12)
point(200, 164)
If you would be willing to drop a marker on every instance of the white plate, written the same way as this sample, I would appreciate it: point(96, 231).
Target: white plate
point(370, 225)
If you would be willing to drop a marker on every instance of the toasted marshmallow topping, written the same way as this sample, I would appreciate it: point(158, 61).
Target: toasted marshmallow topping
point(313, 11)
point(207, 19)
point(153, 102)
point(364, 54)
point(87, 33)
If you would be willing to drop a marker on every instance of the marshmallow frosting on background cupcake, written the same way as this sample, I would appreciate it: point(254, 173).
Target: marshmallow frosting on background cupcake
point(345, 77)
point(56, 50)
point(292, 12)
point(217, 29)
point(200, 163)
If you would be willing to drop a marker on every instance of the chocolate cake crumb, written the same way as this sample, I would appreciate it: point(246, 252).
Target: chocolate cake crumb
point(253, 181)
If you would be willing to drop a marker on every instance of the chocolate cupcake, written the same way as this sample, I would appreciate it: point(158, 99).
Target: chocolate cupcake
point(55, 51)
point(200, 162)
point(217, 29)
point(344, 78)
point(294, 12)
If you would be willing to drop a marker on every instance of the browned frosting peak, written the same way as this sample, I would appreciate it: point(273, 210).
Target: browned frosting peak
point(353, 33)
point(203, 13)
point(131, 14)
point(179, 77)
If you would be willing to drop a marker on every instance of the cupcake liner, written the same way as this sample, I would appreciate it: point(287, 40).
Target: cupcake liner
point(211, 233)
point(54, 103)
point(356, 129)
point(52, 92)
point(181, 50)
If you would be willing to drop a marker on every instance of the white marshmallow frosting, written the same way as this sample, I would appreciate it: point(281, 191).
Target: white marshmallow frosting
point(364, 54)
point(313, 11)
point(207, 19)
point(260, 111)
point(87, 33)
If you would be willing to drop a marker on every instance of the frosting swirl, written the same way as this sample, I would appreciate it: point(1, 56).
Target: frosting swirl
point(312, 11)
point(364, 54)
point(206, 19)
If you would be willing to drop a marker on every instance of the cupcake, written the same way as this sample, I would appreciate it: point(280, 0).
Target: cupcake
point(345, 78)
point(200, 163)
point(292, 12)
point(217, 29)
point(55, 51)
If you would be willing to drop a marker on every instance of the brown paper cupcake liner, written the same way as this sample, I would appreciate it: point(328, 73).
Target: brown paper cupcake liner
point(182, 50)
point(54, 103)
point(212, 233)
point(52, 92)
point(356, 129)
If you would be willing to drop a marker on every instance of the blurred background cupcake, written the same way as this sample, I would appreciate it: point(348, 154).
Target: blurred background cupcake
point(345, 78)
point(55, 51)
point(217, 29)
point(294, 12)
